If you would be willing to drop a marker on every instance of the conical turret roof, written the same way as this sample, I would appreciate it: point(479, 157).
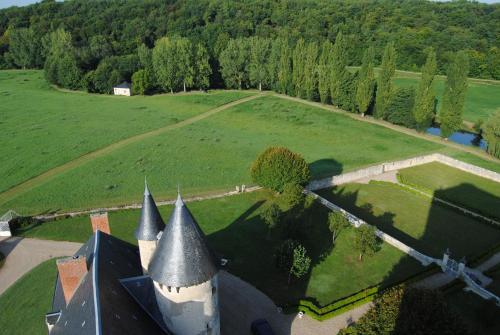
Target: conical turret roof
point(182, 257)
point(150, 223)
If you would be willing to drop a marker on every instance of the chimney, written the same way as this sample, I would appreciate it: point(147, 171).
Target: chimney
point(100, 221)
point(71, 271)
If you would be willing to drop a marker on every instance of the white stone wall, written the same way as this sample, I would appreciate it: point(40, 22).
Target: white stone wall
point(378, 169)
point(121, 91)
point(192, 310)
point(146, 250)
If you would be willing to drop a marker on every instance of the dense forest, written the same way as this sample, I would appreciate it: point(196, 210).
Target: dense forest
point(110, 32)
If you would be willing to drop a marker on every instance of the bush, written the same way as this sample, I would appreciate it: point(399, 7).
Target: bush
point(278, 166)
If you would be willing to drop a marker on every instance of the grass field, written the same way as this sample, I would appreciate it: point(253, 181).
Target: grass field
point(24, 304)
point(236, 232)
point(414, 219)
point(462, 188)
point(41, 128)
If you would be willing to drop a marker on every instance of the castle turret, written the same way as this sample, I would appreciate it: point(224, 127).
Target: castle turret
point(185, 276)
point(150, 224)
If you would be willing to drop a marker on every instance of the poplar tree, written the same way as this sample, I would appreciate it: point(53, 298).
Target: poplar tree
point(202, 68)
point(310, 76)
point(423, 111)
point(324, 72)
point(165, 64)
point(450, 114)
point(234, 63)
point(273, 63)
point(338, 67)
point(384, 82)
point(285, 68)
point(298, 64)
point(146, 60)
point(364, 90)
point(183, 57)
point(259, 58)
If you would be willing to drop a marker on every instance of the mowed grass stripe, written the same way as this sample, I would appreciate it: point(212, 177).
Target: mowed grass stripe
point(25, 186)
point(400, 129)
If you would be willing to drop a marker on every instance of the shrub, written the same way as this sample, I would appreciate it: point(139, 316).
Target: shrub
point(278, 166)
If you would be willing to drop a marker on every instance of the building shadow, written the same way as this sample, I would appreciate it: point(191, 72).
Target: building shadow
point(8, 244)
point(322, 168)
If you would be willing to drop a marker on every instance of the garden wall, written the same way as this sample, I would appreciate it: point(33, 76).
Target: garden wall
point(378, 169)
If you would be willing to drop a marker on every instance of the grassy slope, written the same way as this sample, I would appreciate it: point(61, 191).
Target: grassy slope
point(415, 219)
point(460, 187)
point(216, 154)
point(235, 231)
point(41, 128)
point(24, 304)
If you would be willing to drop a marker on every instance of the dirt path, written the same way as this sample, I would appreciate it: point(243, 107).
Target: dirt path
point(404, 130)
point(47, 175)
point(23, 254)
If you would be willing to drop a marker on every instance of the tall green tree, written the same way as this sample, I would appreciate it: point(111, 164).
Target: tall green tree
point(184, 58)
point(384, 82)
point(148, 78)
point(425, 97)
point(338, 67)
point(24, 48)
point(325, 63)
point(491, 133)
point(165, 64)
point(202, 68)
point(285, 68)
point(271, 216)
point(234, 63)
point(273, 63)
point(365, 241)
point(259, 58)
point(364, 90)
point(310, 74)
point(336, 223)
point(60, 65)
point(452, 106)
point(298, 66)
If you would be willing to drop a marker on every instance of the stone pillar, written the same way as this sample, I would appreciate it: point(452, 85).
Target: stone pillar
point(100, 222)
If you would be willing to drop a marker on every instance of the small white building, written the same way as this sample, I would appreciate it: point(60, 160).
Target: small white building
point(5, 222)
point(122, 89)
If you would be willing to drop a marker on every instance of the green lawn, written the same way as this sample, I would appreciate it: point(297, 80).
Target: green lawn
point(414, 219)
point(24, 305)
point(478, 194)
point(41, 128)
point(215, 154)
point(235, 231)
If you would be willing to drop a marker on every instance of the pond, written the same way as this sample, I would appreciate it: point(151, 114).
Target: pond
point(461, 137)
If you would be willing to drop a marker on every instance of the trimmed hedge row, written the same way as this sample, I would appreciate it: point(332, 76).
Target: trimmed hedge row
point(350, 302)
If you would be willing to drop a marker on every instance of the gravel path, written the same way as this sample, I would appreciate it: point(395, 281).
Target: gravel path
point(23, 254)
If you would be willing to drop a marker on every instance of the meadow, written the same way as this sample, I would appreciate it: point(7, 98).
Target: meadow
point(461, 188)
point(41, 128)
point(234, 229)
point(415, 219)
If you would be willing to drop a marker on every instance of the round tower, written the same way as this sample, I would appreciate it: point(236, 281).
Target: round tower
point(150, 224)
point(184, 274)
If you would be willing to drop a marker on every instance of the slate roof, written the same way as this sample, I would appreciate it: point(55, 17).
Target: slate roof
point(150, 222)
point(182, 257)
point(101, 304)
point(122, 85)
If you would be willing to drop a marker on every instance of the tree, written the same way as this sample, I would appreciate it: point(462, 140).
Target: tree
point(491, 133)
point(450, 114)
point(325, 63)
point(365, 241)
point(384, 82)
point(271, 216)
point(60, 66)
point(24, 48)
point(202, 68)
point(292, 257)
point(146, 61)
point(278, 166)
point(425, 97)
point(139, 82)
point(336, 223)
point(285, 68)
point(293, 195)
point(402, 310)
point(183, 57)
point(364, 91)
point(298, 66)
point(165, 64)
point(234, 63)
point(400, 108)
point(310, 75)
point(259, 58)
point(338, 67)
point(347, 91)
point(273, 63)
